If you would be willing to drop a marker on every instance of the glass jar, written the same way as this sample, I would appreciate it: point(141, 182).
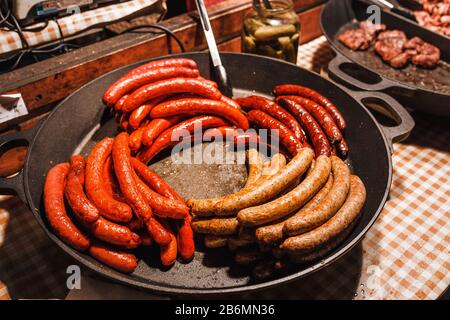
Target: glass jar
point(272, 32)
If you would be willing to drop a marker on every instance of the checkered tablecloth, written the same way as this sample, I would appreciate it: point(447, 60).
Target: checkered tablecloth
point(405, 255)
point(75, 23)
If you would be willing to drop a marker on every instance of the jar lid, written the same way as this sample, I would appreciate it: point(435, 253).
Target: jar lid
point(277, 6)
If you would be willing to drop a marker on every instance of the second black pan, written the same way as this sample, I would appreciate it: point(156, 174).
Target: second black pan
point(80, 121)
point(412, 86)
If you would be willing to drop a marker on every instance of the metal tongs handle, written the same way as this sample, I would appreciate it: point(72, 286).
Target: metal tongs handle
point(218, 72)
point(399, 10)
point(204, 18)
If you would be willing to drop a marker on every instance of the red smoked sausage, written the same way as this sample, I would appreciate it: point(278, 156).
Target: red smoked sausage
point(84, 210)
point(119, 260)
point(124, 173)
point(322, 117)
point(291, 89)
point(135, 225)
point(56, 212)
point(230, 102)
point(287, 138)
point(210, 82)
point(168, 252)
point(173, 62)
point(162, 206)
point(170, 86)
point(177, 131)
point(185, 237)
point(274, 110)
point(177, 62)
point(136, 139)
point(95, 184)
point(156, 127)
point(130, 82)
point(186, 244)
point(229, 133)
point(195, 106)
point(138, 115)
point(119, 104)
point(78, 164)
point(317, 136)
point(154, 181)
point(158, 232)
point(342, 148)
point(123, 122)
point(114, 233)
point(226, 132)
point(147, 239)
point(126, 177)
point(110, 181)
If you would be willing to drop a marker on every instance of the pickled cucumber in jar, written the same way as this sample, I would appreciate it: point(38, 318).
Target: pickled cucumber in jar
point(272, 32)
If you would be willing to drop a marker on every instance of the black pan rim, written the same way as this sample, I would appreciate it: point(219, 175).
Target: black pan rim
point(339, 51)
point(165, 290)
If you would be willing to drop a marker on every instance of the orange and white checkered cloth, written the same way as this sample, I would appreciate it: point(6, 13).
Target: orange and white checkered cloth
point(73, 24)
point(405, 255)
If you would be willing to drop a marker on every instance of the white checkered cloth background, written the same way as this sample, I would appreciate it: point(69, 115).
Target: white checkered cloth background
point(70, 25)
point(405, 255)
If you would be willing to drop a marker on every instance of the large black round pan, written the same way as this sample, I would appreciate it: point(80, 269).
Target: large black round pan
point(412, 87)
point(80, 120)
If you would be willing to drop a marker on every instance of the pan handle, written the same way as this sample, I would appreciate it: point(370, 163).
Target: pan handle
point(337, 73)
point(14, 184)
point(405, 123)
